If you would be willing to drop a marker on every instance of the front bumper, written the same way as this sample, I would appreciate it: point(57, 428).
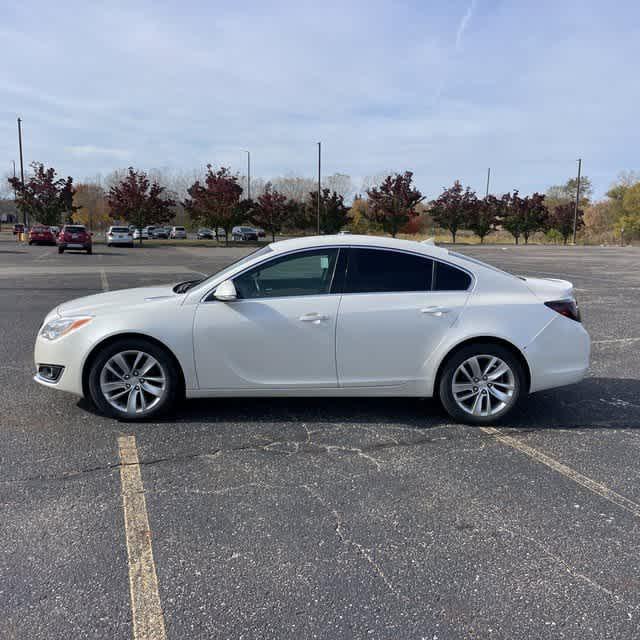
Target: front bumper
point(66, 352)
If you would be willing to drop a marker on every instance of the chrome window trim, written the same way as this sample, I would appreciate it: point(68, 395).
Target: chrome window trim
point(419, 254)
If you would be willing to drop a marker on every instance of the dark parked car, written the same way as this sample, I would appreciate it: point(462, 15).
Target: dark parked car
point(244, 234)
point(74, 236)
point(160, 233)
point(40, 234)
point(205, 234)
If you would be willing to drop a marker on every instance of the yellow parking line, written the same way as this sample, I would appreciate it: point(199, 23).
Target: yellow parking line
point(593, 486)
point(146, 611)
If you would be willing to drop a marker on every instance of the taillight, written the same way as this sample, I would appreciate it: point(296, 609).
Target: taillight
point(567, 308)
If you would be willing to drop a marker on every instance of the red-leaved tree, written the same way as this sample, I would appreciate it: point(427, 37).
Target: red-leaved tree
point(561, 218)
point(139, 201)
point(452, 210)
point(216, 201)
point(44, 197)
point(271, 211)
point(393, 203)
point(484, 216)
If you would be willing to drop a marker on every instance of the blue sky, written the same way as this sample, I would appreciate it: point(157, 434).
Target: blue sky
point(445, 89)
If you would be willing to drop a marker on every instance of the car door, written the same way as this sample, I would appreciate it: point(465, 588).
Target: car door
point(392, 316)
point(279, 333)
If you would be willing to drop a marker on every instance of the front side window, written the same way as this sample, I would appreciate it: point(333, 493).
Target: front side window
point(381, 271)
point(301, 274)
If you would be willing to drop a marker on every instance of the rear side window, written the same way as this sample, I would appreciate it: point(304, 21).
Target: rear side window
point(448, 278)
point(381, 271)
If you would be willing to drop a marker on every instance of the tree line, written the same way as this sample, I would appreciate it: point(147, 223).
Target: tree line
point(390, 204)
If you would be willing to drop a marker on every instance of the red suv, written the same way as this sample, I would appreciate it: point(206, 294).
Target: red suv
point(74, 236)
point(39, 234)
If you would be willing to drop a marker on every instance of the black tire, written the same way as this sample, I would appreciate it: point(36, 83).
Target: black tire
point(89, 251)
point(60, 250)
point(172, 375)
point(445, 387)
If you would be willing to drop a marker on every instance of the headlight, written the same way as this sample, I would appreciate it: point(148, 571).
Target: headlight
point(61, 326)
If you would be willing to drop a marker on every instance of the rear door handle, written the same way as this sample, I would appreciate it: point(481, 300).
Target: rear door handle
point(316, 318)
point(435, 311)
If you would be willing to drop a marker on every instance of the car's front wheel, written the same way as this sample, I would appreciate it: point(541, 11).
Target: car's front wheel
point(481, 383)
point(133, 379)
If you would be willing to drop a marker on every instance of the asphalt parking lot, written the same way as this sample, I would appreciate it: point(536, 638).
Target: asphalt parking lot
point(322, 518)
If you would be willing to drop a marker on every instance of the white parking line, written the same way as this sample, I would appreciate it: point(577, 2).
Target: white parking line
point(146, 610)
point(593, 486)
point(614, 340)
point(103, 280)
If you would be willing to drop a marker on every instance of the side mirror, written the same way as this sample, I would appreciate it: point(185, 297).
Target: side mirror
point(226, 291)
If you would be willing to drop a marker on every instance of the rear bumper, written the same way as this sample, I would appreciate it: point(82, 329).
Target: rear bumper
point(559, 354)
point(79, 246)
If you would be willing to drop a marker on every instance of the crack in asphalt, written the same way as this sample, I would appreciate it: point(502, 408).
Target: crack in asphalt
point(361, 550)
point(278, 447)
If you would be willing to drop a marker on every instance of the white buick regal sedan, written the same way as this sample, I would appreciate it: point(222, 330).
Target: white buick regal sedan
point(340, 315)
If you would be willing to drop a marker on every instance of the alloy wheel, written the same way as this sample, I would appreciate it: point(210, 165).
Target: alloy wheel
point(133, 382)
point(483, 385)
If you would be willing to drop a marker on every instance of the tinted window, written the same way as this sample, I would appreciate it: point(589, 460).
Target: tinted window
point(120, 229)
point(75, 229)
point(300, 274)
point(450, 278)
point(376, 270)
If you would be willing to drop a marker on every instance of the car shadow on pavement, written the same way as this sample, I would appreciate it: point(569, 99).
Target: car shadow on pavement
point(593, 403)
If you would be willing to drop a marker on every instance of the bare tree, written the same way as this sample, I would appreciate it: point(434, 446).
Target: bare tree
point(295, 187)
point(340, 183)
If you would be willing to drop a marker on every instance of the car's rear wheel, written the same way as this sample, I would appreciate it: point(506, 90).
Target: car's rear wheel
point(60, 250)
point(481, 383)
point(133, 379)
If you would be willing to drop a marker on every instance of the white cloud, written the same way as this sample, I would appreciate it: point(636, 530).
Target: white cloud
point(464, 23)
point(83, 151)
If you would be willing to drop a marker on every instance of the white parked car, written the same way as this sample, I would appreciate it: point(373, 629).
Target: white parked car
point(141, 233)
point(178, 233)
point(322, 316)
point(119, 236)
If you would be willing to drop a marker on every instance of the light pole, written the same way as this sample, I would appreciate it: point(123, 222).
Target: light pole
point(319, 180)
point(488, 178)
point(24, 211)
point(248, 174)
point(575, 211)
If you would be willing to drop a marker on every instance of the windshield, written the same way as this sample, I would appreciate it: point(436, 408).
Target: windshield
point(120, 229)
point(254, 254)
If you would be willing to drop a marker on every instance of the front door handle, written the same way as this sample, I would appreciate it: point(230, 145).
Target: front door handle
point(316, 318)
point(435, 311)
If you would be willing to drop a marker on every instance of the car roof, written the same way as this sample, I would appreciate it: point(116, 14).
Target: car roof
point(359, 240)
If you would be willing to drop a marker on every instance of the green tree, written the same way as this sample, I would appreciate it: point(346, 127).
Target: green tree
point(44, 197)
point(564, 193)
